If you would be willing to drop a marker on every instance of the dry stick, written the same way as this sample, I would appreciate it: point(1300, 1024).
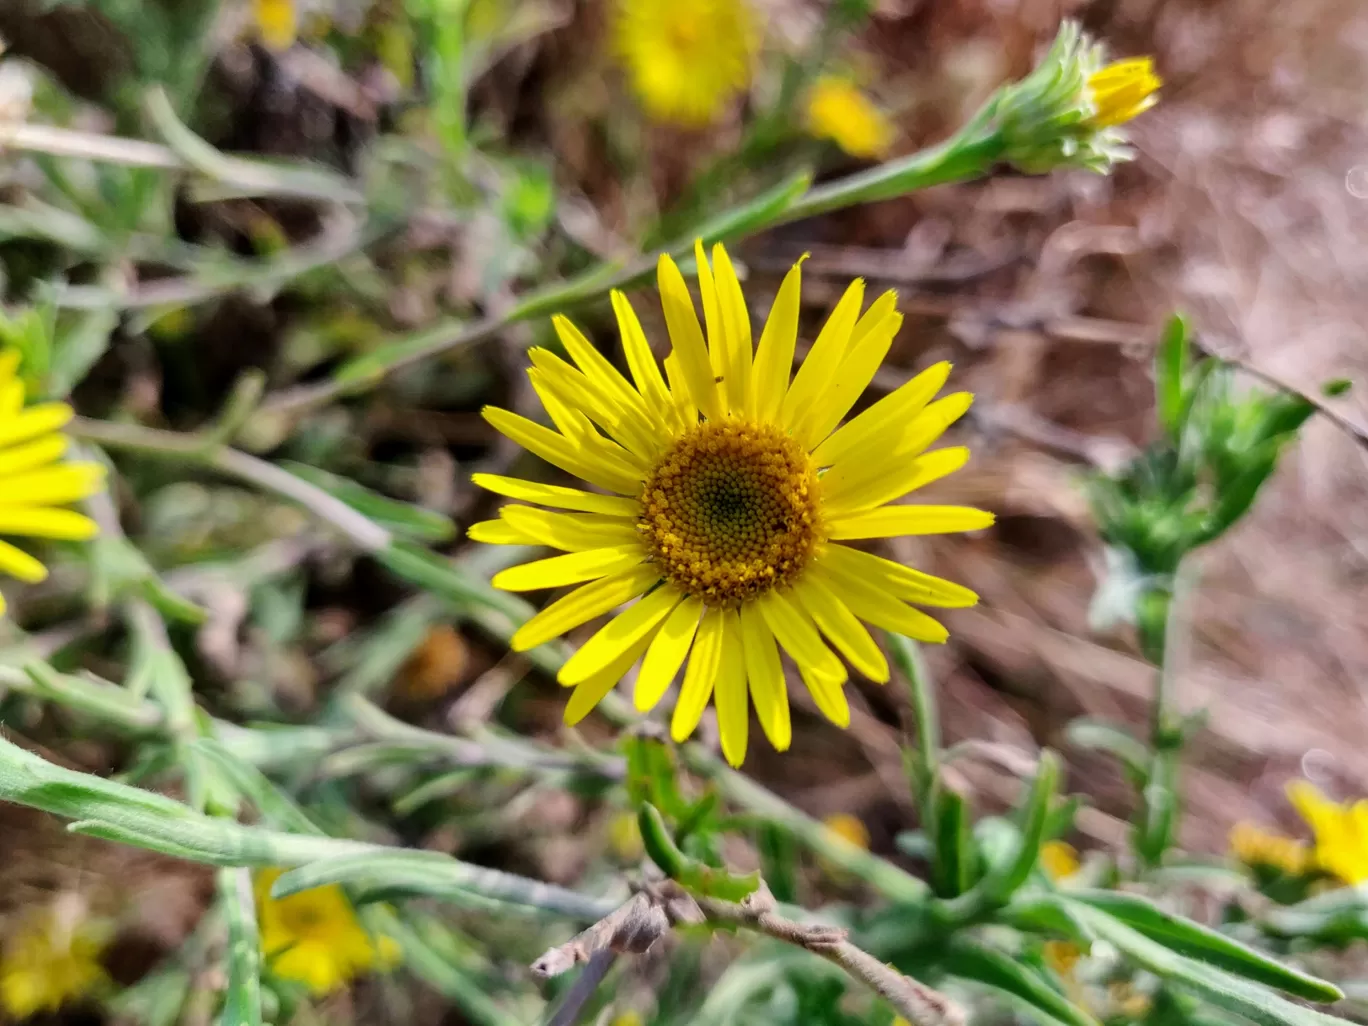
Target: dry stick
point(649, 915)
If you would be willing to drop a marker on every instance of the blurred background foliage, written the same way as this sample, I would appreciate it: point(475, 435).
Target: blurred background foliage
point(278, 253)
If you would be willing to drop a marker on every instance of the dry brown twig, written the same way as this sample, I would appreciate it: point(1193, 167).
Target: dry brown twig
point(657, 907)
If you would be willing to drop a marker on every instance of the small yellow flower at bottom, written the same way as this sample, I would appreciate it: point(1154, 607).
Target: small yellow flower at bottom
point(1059, 860)
point(314, 937)
point(1341, 831)
point(1256, 847)
point(848, 828)
point(1122, 91)
point(34, 482)
point(277, 23)
point(839, 111)
point(51, 959)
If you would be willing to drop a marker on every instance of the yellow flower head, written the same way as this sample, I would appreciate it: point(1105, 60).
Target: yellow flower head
point(686, 58)
point(1257, 847)
point(34, 482)
point(314, 937)
point(734, 494)
point(50, 959)
point(838, 111)
point(1341, 831)
point(277, 23)
point(1071, 110)
point(848, 828)
point(1123, 90)
point(1059, 860)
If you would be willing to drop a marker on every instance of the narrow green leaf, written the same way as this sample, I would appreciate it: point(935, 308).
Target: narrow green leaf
point(402, 518)
point(972, 961)
point(242, 997)
point(1035, 814)
point(433, 874)
point(953, 866)
point(1170, 369)
point(1232, 993)
point(443, 578)
point(273, 805)
point(1200, 942)
point(1099, 736)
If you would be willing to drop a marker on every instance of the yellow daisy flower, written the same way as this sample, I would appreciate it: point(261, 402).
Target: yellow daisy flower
point(685, 58)
point(314, 937)
point(33, 480)
point(848, 828)
point(277, 23)
point(1341, 831)
point(735, 498)
point(839, 111)
point(1123, 90)
point(1254, 846)
point(52, 958)
point(1059, 860)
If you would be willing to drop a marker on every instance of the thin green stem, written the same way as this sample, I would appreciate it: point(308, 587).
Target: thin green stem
point(925, 760)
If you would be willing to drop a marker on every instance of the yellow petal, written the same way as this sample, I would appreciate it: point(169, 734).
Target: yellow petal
point(868, 463)
point(590, 693)
point(766, 676)
point(499, 532)
point(573, 401)
point(20, 564)
point(897, 408)
point(841, 628)
point(61, 524)
point(685, 410)
point(795, 631)
point(557, 495)
point(572, 568)
point(817, 370)
point(621, 402)
point(869, 344)
point(774, 355)
point(899, 581)
point(892, 521)
point(704, 663)
point(37, 453)
point(731, 699)
point(687, 338)
point(565, 409)
point(619, 634)
point(574, 532)
point(829, 695)
point(582, 605)
point(877, 607)
point(897, 480)
point(36, 420)
point(712, 322)
point(52, 486)
point(640, 360)
point(736, 328)
point(666, 654)
point(558, 450)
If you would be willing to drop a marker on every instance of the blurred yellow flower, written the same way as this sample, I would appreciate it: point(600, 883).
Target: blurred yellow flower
point(624, 837)
point(314, 937)
point(277, 23)
point(33, 480)
point(51, 958)
point(1254, 846)
point(1123, 90)
point(848, 828)
point(686, 58)
point(1341, 831)
point(630, 1017)
point(1059, 860)
point(838, 111)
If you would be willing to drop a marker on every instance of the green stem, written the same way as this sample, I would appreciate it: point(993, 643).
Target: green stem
point(925, 760)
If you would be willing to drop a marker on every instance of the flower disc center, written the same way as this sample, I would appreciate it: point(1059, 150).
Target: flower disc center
point(731, 511)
